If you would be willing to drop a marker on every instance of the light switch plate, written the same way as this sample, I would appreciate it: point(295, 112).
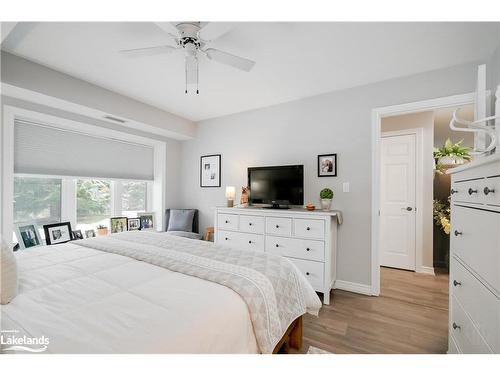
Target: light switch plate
point(345, 187)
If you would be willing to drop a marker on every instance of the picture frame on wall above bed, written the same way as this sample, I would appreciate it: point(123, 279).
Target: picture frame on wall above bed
point(210, 170)
point(58, 233)
point(28, 236)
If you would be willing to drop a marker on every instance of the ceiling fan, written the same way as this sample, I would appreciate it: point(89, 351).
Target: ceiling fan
point(192, 39)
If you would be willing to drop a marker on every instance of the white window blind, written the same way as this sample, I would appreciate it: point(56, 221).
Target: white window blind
point(46, 150)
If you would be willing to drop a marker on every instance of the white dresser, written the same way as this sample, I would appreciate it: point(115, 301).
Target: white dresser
point(474, 325)
point(307, 238)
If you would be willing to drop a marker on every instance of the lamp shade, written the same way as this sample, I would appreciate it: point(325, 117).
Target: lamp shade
point(230, 192)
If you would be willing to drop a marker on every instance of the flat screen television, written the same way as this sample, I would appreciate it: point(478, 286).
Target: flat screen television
point(277, 186)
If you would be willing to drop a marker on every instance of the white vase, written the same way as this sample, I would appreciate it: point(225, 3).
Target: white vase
point(326, 204)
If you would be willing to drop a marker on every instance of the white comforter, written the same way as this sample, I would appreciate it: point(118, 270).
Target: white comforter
point(89, 301)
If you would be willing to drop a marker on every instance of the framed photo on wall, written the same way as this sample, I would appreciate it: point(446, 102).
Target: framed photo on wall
point(57, 233)
point(28, 236)
point(327, 165)
point(210, 171)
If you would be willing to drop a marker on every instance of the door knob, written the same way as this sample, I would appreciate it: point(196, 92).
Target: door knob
point(407, 208)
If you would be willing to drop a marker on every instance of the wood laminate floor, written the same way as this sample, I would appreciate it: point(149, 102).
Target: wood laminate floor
point(409, 316)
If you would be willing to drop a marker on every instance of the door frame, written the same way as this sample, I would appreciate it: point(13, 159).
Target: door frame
point(419, 187)
point(377, 115)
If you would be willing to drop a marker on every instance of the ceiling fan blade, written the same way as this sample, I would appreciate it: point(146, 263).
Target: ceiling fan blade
point(214, 30)
point(169, 28)
point(148, 51)
point(229, 59)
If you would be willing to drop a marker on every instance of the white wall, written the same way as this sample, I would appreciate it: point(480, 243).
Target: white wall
point(48, 83)
point(424, 120)
point(296, 132)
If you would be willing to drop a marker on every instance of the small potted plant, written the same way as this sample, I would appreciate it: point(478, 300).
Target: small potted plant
point(326, 196)
point(102, 230)
point(451, 155)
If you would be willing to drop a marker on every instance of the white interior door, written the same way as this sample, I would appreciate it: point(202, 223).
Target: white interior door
point(398, 201)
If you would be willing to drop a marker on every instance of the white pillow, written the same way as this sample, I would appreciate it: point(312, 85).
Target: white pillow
point(8, 274)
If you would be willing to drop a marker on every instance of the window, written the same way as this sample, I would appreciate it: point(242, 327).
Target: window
point(93, 202)
point(37, 199)
point(133, 197)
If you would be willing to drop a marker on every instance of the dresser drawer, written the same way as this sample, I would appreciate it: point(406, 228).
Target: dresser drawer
point(491, 191)
point(481, 305)
point(313, 271)
point(242, 241)
point(467, 338)
point(252, 224)
point(475, 240)
point(296, 248)
point(227, 221)
point(281, 226)
point(309, 228)
point(467, 191)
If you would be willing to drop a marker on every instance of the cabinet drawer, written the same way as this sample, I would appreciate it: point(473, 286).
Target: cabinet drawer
point(313, 271)
point(309, 228)
point(467, 338)
point(481, 305)
point(241, 241)
point(296, 248)
point(467, 191)
point(282, 226)
point(475, 240)
point(252, 224)
point(227, 221)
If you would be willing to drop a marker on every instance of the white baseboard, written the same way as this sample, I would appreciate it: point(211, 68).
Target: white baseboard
point(353, 287)
point(426, 270)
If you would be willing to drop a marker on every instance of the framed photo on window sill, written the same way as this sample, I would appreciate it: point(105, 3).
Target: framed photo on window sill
point(58, 233)
point(28, 236)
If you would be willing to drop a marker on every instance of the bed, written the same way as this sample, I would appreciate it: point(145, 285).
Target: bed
point(151, 292)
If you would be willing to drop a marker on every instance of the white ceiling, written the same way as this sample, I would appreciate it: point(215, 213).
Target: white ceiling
point(294, 60)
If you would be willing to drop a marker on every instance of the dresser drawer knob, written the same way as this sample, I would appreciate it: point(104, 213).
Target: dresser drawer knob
point(227, 222)
point(457, 233)
point(308, 228)
point(308, 249)
point(277, 226)
point(226, 238)
point(472, 191)
point(307, 273)
point(277, 245)
point(453, 191)
point(455, 326)
point(250, 224)
point(249, 241)
point(456, 283)
point(487, 190)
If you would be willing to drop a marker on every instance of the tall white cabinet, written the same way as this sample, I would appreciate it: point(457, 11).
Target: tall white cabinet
point(307, 238)
point(474, 324)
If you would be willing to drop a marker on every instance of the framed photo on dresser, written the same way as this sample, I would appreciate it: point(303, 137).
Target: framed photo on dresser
point(210, 171)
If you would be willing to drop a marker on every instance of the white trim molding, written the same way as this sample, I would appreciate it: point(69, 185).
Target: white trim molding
point(427, 270)
point(349, 286)
point(377, 115)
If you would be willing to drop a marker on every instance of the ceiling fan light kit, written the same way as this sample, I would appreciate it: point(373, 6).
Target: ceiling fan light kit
point(192, 38)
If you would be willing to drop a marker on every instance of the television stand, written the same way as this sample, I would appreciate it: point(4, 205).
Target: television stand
point(277, 207)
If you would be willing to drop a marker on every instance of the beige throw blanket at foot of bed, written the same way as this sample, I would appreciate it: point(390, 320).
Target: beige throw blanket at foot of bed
point(273, 289)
